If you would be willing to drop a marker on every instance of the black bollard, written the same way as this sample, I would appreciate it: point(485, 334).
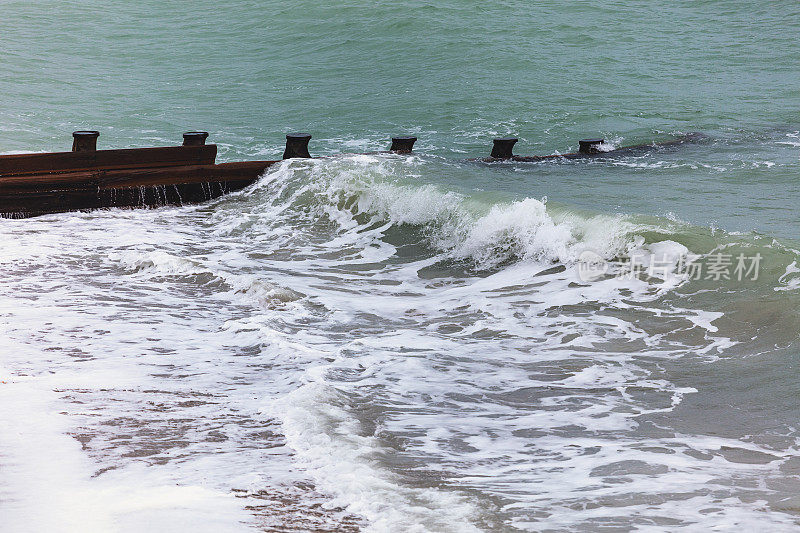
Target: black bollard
point(590, 146)
point(297, 145)
point(84, 140)
point(503, 147)
point(402, 145)
point(195, 138)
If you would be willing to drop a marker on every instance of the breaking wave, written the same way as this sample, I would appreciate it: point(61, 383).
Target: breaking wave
point(425, 357)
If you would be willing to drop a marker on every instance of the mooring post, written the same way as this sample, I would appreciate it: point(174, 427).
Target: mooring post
point(504, 147)
point(195, 138)
point(297, 145)
point(84, 140)
point(590, 146)
point(402, 145)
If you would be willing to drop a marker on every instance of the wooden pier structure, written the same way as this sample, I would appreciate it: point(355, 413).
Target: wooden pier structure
point(88, 178)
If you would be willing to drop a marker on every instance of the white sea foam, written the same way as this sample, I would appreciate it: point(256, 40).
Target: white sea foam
point(522, 229)
point(789, 280)
point(50, 485)
point(344, 462)
point(793, 139)
point(347, 340)
point(160, 263)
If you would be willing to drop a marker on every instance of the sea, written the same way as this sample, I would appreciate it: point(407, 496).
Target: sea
point(424, 342)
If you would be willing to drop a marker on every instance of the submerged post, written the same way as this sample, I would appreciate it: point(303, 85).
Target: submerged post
point(84, 140)
point(504, 147)
point(590, 146)
point(195, 138)
point(402, 145)
point(297, 145)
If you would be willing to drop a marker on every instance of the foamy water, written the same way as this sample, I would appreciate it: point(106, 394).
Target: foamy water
point(422, 343)
point(346, 345)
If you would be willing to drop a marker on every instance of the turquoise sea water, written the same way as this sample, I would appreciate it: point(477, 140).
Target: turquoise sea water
point(454, 74)
point(406, 343)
